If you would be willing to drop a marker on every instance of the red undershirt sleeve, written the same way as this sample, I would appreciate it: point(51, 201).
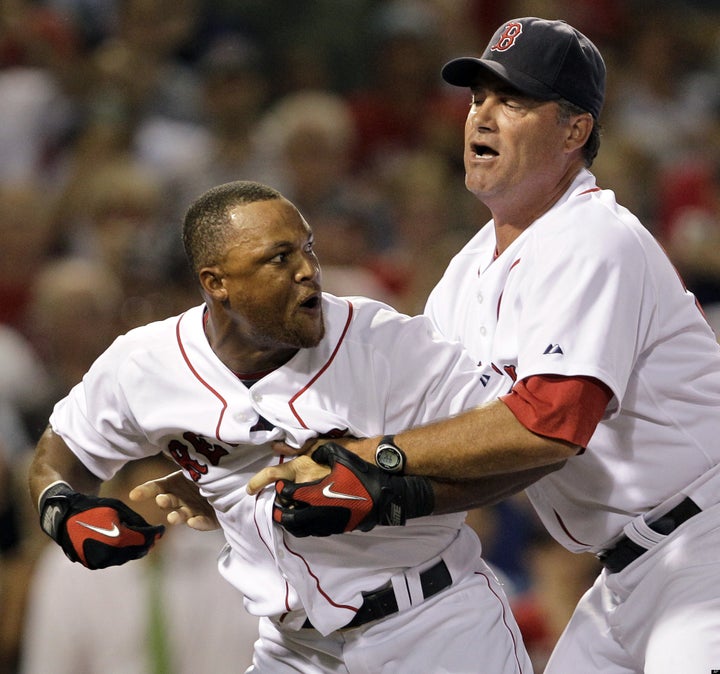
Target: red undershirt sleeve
point(564, 408)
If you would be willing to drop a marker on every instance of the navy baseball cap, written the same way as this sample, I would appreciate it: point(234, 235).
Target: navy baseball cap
point(543, 59)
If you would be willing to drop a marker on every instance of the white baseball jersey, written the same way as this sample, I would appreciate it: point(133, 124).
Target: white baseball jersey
point(161, 387)
point(587, 291)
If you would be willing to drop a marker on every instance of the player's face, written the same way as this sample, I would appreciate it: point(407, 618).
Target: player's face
point(272, 277)
point(515, 147)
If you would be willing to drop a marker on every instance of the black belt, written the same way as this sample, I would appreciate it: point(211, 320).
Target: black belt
point(382, 603)
point(626, 550)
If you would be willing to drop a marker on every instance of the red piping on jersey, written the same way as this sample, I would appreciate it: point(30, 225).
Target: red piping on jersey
point(269, 549)
point(504, 619)
point(322, 369)
point(566, 530)
point(501, 294)
point(592, 189)
point(317, 580)
point(201, 380)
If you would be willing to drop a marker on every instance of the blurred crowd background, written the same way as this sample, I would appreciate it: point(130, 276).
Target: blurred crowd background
point(115, 114)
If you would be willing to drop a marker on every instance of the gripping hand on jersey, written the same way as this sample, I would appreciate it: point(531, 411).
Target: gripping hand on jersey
point(97, 532)
point(354, 495)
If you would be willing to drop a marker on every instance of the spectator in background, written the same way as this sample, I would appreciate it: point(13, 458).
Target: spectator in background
point(402, 106)
point(689, 224)
point(41, 72)
point(74, 315)
point(23, 382)
point(222, 147)
point(26, 235)
point(429, 210)
point(653, 105)
point(117, 217)
point(308, 138)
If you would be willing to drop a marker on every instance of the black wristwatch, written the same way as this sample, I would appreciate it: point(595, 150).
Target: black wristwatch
point(389, 456)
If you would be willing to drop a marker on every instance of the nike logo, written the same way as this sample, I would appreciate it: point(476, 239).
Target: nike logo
point(329, 493)
point(113, 532)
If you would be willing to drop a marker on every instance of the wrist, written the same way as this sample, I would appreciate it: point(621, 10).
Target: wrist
point(53, 506)
point(389, 457)
point(419, 496)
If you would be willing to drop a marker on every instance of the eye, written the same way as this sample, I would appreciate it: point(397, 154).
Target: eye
point(280, 258)
point(514, 103)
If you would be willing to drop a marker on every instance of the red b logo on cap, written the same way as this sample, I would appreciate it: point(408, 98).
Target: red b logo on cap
point(508, 37)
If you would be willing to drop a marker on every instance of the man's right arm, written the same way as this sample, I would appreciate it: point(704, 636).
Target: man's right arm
point(55, 462)
point(94, 531)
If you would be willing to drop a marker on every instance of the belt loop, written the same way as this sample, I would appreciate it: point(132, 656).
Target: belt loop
point(402, 591)
point(414, 587)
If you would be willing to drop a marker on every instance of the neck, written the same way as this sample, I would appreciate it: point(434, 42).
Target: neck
point(241, 355)
point(512, 216)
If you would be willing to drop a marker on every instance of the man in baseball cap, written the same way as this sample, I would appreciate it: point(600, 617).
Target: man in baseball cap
point(546, 60)
point(606, 363)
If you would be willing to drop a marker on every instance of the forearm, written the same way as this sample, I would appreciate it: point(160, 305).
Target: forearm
point(481, 442)
point(54, 461)
point(454, 496)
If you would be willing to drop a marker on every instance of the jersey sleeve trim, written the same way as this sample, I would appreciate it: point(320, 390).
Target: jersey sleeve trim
point(564, 408)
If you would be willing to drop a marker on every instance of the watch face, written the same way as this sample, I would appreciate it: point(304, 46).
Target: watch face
point(389, 458)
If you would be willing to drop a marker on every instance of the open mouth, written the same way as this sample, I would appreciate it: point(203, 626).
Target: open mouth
point(312, 302)
point(483, 151)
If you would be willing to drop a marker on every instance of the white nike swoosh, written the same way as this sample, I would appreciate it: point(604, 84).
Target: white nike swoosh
point(114, 532)
point(329, 493)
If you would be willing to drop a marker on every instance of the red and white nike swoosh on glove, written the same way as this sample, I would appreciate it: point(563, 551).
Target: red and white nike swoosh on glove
point(95, 531)
point(355, 495)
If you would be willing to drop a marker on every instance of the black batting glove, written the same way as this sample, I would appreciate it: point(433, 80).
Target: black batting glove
point(97, 532)
point(355, 495)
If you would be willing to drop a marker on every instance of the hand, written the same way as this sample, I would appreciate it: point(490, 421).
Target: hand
point(352, 495)
point(301, 469)
point(97, 532)
point(363, 447)
point(180, 499)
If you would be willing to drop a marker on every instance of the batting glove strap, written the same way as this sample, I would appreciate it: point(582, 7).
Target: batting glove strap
point(94, 531)
point(355, 495)
point(53, 507)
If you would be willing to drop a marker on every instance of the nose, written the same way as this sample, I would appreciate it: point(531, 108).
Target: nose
point(481, 115)
point(309, 268)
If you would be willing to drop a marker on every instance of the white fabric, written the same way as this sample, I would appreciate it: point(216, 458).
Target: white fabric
point(440, 636)
point(586, 290)
point(658, 616)
point(376, 371)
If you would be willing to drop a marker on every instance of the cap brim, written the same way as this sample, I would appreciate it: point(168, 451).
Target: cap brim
point(468, 71)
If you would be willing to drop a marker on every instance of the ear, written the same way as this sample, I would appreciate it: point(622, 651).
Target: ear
point(579, 128)
point(212, 284)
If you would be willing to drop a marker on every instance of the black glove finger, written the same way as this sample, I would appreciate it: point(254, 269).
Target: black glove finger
point(331, 453)
point(320, 521)
point(286, 491)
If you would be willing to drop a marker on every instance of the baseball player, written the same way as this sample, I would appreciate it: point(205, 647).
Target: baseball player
point(269, 357)
point(607, 361)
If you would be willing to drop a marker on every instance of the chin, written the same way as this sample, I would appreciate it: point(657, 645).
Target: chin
point(311, 337)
